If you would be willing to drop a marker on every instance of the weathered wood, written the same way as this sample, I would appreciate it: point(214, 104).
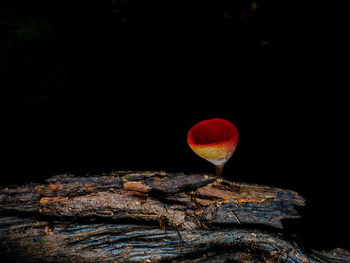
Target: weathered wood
point(150, 217)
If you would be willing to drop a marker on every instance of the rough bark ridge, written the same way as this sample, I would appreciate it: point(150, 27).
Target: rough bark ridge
point(150, 217)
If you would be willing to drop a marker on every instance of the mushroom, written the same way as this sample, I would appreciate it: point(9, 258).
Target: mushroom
point(214, 140)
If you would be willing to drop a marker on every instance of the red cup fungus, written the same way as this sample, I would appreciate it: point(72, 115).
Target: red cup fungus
point(214, 140)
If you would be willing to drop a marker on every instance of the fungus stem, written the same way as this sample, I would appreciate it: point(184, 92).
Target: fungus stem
point(218, 169)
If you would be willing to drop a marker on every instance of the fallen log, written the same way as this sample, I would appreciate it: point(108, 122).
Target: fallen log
point(151, 217)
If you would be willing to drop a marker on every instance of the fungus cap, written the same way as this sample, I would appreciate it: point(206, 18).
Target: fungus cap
point(214, 140)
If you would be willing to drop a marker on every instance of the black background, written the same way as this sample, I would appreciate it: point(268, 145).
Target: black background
point(116, 85)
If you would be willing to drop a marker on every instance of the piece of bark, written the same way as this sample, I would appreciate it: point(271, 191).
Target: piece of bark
point(149, 216)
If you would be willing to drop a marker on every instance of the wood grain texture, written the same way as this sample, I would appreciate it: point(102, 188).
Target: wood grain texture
point(151, 217)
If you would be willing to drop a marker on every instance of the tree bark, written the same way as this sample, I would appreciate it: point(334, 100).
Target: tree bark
point(151, 217)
